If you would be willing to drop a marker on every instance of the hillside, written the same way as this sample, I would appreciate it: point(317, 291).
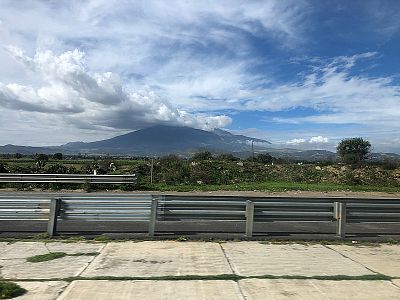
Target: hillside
point(161, 139)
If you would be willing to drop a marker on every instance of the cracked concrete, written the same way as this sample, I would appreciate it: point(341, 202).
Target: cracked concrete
point(49, 290)
point(161, 258)
point(177, 290)
point(171, 258)
point(14, 265)
point(254, 259)
point(282, 289)
point(384, 259)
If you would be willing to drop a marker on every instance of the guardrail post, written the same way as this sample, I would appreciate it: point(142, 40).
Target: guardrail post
point(55, 205)
point(340, 214)
point(153, 216)
point(249, 218)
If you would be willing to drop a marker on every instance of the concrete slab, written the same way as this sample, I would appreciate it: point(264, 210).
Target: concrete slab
point(160, 258)
point(13, 262)
point(254, 258)
point(280, 289)
point(396, 282)
point(58, 268)
point(174, 290)
point(73, 248)
point(48, 290)
point(22, 249)
point(383, 259)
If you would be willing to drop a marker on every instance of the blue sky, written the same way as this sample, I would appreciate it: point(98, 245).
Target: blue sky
point(302, 74)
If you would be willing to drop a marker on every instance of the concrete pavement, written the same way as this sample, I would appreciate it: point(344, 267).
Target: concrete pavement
point(228, 270)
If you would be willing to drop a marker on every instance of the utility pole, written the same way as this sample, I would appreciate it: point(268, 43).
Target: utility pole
point(151, 170)
point(252, 150)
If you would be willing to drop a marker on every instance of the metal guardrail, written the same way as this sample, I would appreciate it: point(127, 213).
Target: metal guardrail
point(66, 178)
point(106, 208)
point(24, 209)
point(151, 208)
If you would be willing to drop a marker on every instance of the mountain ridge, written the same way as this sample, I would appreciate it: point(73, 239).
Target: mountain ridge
point(161, 140)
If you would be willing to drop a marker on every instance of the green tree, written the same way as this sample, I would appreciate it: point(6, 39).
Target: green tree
point(41, 160)
point(203, 155)
point(227, 157)
point(263, 158)
point(3, 168)
point(58, 156)
point(353, 150)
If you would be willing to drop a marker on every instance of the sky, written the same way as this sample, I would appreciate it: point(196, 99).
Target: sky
point(300, 74)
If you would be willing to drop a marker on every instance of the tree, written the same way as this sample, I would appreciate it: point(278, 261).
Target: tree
point(353, 150)
point(227, 157)
point(263, 158)
point(3, 168)
point(41, 160)
point(58, 156)
point(203, 155)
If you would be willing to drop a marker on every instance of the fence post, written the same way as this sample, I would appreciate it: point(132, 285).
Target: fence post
point(249, 218)
point(153, 216)
point(336, 210)
point(55, 205)
point(341, 219)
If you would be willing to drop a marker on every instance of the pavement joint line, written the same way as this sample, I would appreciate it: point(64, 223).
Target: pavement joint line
point(345, 256)
point(47, 248)
point(372, 277)
point(397, 286)
point(91, 260)
point(231, 266)
point(83, 270)
point(271, 241)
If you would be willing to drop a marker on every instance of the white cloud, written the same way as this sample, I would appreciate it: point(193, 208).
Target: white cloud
point(337, 96)
point(178, 62)
point(313, 140)
point(147, 61)
point(318, 140)
point(91, 100)
point(296, 141)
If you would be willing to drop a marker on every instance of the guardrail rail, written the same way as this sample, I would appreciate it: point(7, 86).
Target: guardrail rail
point(67, 178)
point(156, 209)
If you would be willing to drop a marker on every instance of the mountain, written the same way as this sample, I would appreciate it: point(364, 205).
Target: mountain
point(162, 139)
point(26, 150)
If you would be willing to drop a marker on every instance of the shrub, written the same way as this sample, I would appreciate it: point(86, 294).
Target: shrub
point(263, 158)
point(227, 157)
point(203, 155)
point(3, 168)
point(58, 156)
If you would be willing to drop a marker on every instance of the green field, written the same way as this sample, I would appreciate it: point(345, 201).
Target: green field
point(172, 173)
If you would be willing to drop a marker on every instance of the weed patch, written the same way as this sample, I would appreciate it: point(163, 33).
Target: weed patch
point(56, 255)
point(9, 290)
point(46, 257)
point(84, 254)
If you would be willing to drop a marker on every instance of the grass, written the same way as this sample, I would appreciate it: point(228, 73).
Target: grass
point(56, 255)
point(10, 290)
point(273, 186)
point(327, 277)
point(266, 240)
point(234, 277)
point(46, 257)
point(84, 254)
